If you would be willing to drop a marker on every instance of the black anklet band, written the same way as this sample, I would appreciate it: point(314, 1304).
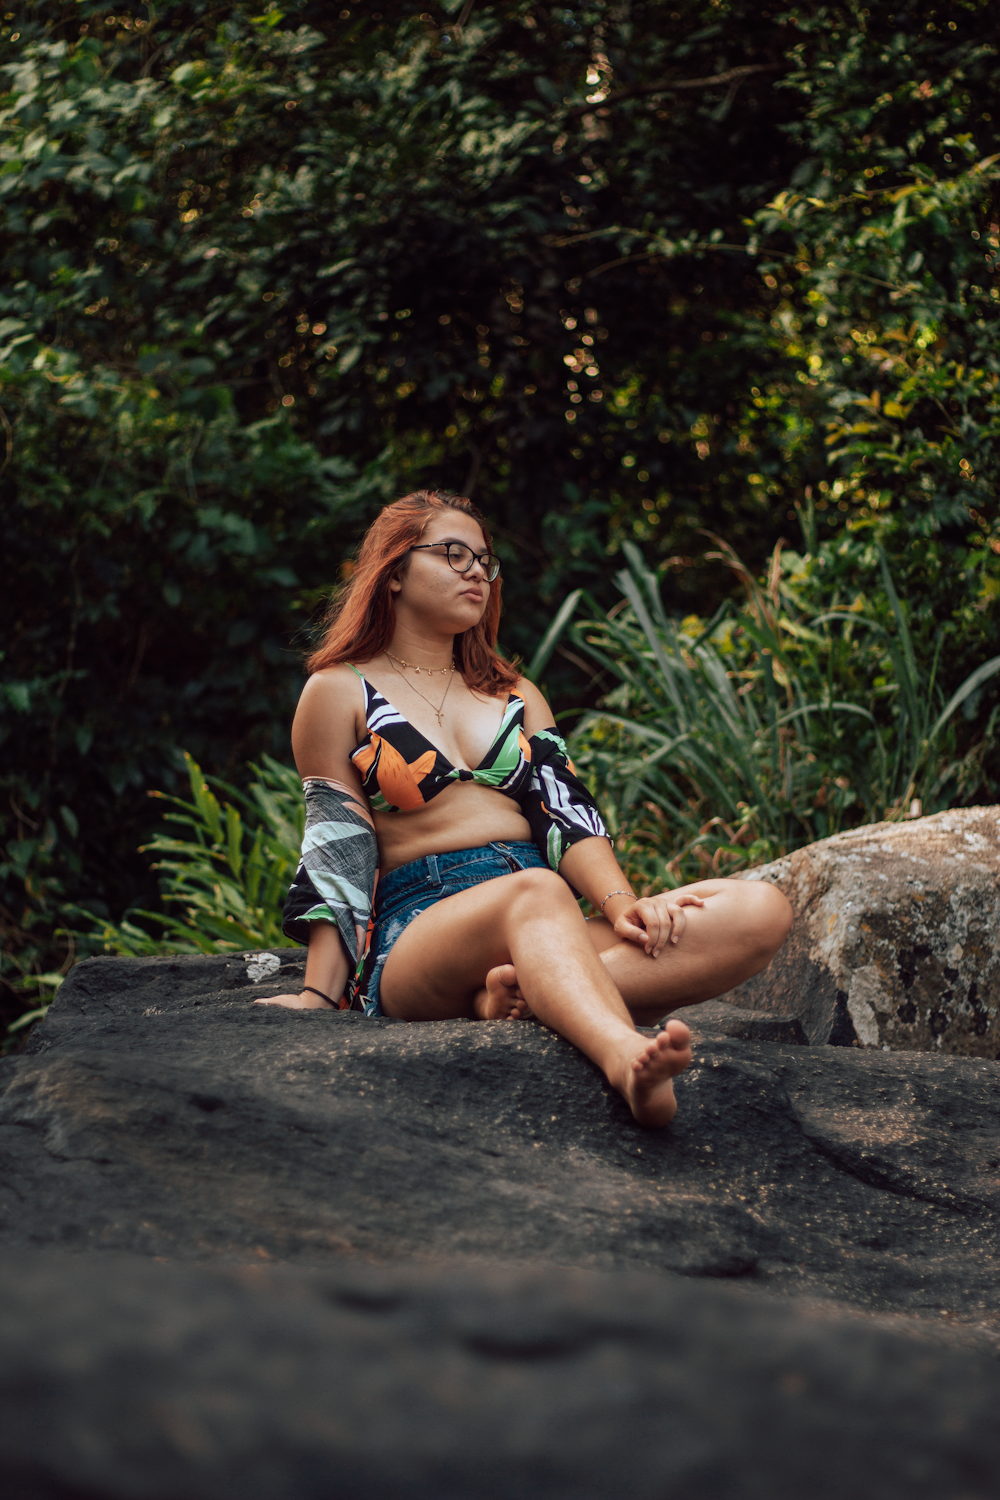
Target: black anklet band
point(317, 992)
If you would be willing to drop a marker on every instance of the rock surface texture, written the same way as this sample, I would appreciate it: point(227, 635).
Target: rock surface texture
point(896, 941)
point(441, 1260)
point(122, 1378)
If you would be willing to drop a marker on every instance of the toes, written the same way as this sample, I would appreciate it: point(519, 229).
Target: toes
point(650, 1055)
point(665, 1046)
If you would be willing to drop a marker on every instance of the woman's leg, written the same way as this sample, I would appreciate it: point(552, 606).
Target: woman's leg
point(736, 933)
point(530, 919)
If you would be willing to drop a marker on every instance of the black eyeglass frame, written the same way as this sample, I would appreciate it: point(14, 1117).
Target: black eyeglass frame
point(488, 561)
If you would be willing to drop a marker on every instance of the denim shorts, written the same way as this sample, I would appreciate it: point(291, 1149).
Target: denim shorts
point(407, 891)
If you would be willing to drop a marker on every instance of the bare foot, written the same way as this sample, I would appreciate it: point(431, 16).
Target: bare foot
point(649, 1082)
point(501, 998)
point(305, 1001)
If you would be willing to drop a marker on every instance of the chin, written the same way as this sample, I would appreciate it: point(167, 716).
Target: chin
point(465, 619)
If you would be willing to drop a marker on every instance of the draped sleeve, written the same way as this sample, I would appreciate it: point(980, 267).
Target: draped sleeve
point(559, 809)
point(337, 873)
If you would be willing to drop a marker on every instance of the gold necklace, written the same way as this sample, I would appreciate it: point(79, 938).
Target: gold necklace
point(431, 671)
point(437, 707)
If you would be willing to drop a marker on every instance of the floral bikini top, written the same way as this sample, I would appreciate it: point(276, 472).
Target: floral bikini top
point(400, 771)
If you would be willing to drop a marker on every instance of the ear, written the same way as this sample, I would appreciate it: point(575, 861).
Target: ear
point(395, 584)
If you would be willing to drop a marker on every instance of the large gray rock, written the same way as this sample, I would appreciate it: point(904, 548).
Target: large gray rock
point(127, 1380)
point(160, 1112)
point(494, 1283)
point(896, 942)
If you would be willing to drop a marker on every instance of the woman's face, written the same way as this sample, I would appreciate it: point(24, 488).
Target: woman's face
point(427, 588)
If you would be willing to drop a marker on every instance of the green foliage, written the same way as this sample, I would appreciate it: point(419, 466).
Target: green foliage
point(262, 270)
point(730, 742)
point(229, 875)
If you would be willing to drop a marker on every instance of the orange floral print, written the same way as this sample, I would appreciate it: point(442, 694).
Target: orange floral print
point(398, 781)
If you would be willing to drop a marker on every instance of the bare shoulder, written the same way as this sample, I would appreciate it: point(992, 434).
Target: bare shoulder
point(332, 688)
point(327, 721)
point(537, 713)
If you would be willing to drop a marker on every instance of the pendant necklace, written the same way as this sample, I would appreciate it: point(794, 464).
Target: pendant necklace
point(437, 707)
point(431, 671)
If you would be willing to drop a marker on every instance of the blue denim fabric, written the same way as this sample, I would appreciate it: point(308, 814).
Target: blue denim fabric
point(406, 892)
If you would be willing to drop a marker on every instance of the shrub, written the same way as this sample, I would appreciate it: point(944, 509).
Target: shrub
point(729, 742)
point(228, 876)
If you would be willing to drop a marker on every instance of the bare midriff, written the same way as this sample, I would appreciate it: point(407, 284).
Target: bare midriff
point(463, 816)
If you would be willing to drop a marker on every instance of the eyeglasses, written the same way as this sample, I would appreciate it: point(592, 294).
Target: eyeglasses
point(460, 557)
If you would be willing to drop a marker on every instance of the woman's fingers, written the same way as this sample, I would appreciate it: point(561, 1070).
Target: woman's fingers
point(675, 908)
point(659, 921)
point(655, 921)
point(631, 931)
point(675, 905)
point(296, 1002)
point(647, 923)
point(678, 921)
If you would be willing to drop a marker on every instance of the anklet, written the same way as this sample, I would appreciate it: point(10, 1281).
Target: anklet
point(614, 893)
point(317, 992)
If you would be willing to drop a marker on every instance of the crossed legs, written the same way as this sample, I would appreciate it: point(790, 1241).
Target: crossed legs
point(735, 934)
point(573, 976)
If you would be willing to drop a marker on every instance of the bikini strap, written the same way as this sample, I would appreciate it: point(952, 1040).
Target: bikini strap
point(371, 692)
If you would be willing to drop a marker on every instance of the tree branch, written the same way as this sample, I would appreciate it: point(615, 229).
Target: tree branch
point(733, 77)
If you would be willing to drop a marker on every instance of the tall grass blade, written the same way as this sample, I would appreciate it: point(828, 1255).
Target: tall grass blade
point(975, 679)
point(550, 639)
point(905, 663)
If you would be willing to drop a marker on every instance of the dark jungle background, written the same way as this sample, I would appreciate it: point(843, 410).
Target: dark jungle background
point(691, 276)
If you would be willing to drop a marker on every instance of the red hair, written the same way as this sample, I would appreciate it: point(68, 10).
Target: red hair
point(362, 618)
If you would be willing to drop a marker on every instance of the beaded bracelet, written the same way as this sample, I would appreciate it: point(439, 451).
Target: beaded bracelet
point(614, 893)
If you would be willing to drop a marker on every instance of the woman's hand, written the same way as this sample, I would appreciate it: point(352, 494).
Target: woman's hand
point(654, 921)
point(298, 1002)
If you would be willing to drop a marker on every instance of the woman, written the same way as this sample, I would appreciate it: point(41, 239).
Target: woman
point(433, 769)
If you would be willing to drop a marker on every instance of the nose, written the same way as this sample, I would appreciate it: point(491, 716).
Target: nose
point(476, 570)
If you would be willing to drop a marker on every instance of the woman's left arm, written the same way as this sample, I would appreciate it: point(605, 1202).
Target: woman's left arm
point(650, 921)
point(568, 828)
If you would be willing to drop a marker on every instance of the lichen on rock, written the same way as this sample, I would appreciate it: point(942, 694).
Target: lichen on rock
point(896, 941)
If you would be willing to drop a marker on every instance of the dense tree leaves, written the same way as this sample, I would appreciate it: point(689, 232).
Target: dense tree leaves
point(619, 271)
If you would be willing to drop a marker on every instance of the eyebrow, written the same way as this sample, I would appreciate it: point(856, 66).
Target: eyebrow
point(444, 541)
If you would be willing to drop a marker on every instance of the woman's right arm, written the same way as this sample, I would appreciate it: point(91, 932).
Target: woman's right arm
point(327, 968)
point(329, 903)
